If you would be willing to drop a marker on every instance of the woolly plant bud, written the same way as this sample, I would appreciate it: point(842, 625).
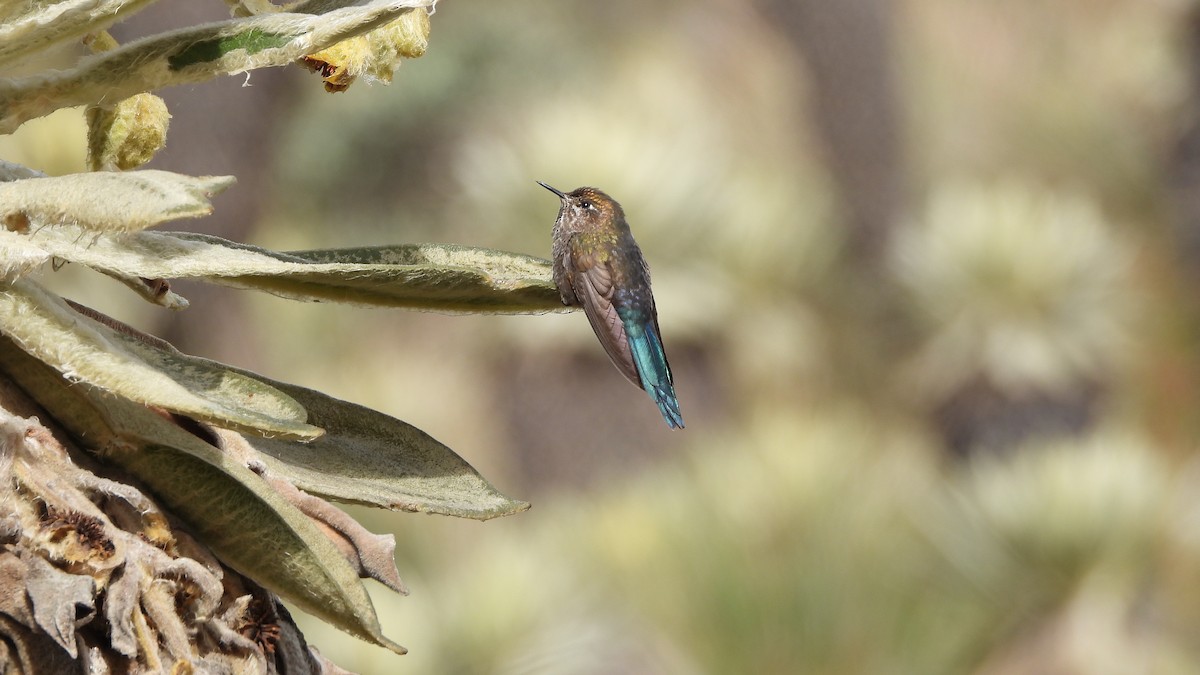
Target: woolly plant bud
point(376, 54)
point(128, 134)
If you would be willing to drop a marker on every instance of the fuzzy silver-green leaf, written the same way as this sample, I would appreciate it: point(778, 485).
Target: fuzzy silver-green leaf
point(42, 24)
point(132, 200)
point(84, 350)
point(369, 458)
point(364, 456)
point(439, 277)
point(196, 54)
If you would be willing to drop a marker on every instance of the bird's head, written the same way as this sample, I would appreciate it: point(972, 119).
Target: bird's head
point(586, 208)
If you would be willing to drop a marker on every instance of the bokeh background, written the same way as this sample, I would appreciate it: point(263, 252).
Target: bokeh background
point(926, 272)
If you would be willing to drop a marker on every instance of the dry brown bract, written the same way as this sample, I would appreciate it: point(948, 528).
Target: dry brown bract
point(94, 578)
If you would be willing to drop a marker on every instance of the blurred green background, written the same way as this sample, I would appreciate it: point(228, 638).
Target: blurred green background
point(925, 272)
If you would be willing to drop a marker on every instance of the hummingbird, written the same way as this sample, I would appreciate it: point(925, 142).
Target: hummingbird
point(597, 264)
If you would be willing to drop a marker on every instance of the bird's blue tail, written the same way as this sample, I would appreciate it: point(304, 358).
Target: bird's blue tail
point(651, 362)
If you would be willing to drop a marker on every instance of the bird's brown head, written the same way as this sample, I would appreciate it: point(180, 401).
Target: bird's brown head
point(586, 208)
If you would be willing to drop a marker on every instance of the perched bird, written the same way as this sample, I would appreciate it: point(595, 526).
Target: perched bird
point(597, 264)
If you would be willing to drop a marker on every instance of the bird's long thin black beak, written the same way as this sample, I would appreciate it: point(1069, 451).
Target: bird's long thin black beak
point(554, 190)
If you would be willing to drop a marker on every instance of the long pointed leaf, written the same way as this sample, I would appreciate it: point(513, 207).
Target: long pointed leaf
point(370, 458)
point(84, 350)
point(246, 523)
point(363, 457)
point(440, 277)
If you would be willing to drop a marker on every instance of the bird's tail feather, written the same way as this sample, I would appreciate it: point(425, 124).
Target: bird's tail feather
point(651, 362)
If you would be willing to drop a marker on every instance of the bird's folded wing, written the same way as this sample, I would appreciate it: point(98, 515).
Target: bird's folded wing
point(594, 288)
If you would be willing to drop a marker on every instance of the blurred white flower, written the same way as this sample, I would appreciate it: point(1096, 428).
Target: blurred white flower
point(1074, 504)
point(1022, 288)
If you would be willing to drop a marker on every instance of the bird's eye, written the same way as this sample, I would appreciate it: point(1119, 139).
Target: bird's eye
point(585, 204)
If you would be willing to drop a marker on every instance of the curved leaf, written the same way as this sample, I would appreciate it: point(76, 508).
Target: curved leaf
point(363, 457)
point(85, 350)
point(441, 277)
point(45, 24)
point(196, 54)
point(369, 458)
point(133, 200)
point(250, 526)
